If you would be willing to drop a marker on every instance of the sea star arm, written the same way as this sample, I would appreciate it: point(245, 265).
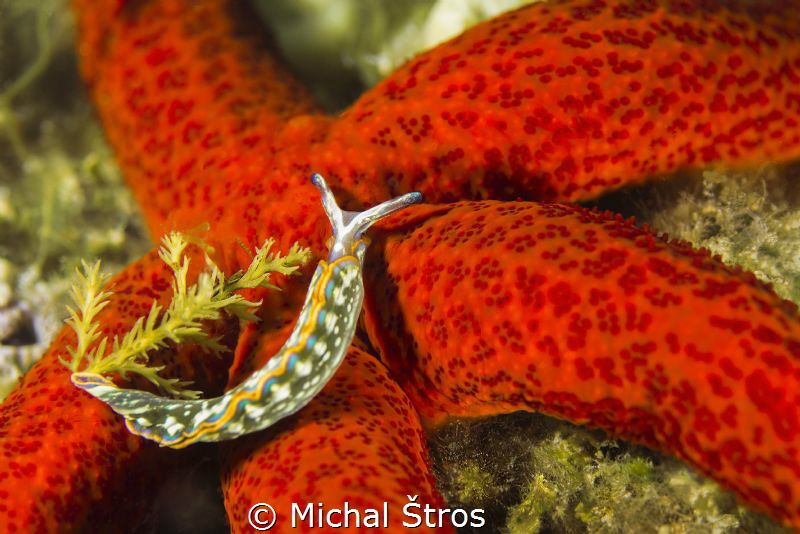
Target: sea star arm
point(187, 91)
point(359, 441)
point(487, 307)
point(67, 463)
point(564, 100)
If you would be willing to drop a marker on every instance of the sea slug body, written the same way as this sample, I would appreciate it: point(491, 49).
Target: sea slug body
point(292, 377)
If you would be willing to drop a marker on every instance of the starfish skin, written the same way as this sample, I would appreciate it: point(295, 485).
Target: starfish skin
point(61, 457)
point(208, 128)
point(594, 333)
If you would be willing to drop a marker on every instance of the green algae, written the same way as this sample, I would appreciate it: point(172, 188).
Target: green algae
point(748, 219)
point(61, 194)
point(191, 307)
point(532, 473)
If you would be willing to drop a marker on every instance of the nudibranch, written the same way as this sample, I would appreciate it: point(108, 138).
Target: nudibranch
point(291, 378)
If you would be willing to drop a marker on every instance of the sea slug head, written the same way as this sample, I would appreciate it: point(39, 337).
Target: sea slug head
point(349, 226)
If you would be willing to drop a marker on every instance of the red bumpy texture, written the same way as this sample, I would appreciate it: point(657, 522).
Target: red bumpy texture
point(564, 100)
point(359, 441)
point(491, 307)
point(552, 102)
point(68, 461)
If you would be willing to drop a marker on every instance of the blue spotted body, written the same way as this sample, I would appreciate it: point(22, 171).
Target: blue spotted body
point(291, 378)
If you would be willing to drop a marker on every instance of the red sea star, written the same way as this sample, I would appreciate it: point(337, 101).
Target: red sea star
point(555, 308)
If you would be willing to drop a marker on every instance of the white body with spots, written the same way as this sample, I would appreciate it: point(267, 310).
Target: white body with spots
point(292, 377)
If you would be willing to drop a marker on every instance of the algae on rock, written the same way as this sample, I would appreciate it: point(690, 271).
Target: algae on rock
point(61, 194)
